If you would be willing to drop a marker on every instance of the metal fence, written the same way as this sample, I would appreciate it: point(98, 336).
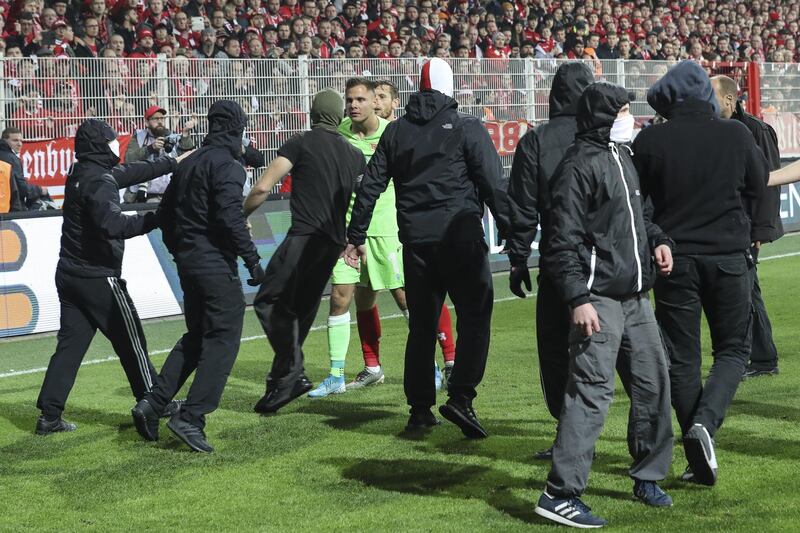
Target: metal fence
point(49, 97)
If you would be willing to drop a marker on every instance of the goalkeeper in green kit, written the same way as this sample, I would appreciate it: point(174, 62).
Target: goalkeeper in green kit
point(383, 267)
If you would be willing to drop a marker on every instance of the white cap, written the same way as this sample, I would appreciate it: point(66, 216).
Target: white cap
point(437, 75)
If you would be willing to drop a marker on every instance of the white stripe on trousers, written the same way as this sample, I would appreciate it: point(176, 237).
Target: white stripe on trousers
point(133, 335)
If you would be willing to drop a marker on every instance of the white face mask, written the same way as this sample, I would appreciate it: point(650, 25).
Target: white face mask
point(114, 145)
point(622, 130)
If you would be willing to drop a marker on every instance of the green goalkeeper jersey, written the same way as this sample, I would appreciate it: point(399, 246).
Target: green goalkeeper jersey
point(384, 217)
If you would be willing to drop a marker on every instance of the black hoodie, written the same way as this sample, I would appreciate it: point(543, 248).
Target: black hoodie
point(601, 240)
point(767, 225)
point(701, 172)
point(536, 158)
point(444, 167)
point(94, 228)
point(201, 213)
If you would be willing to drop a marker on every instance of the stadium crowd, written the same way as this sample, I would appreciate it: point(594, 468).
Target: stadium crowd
point(210, 47)
point(700, 29)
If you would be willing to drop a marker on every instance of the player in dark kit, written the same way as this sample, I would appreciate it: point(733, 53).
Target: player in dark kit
point(325, 169)
point(205, 230)
point(92, 294)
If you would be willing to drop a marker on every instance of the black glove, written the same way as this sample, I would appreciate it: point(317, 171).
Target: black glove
point(151, 221)
point(518, 276)
point(256, 275)
point(141, 196)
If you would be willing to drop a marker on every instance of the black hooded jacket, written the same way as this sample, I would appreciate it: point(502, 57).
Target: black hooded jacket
point(767, 225)
point(94, 228)
point(27, 192)
point(444, 167)
point(601, 239)
point(536, 158)
point(201, 213)
point(701, 172)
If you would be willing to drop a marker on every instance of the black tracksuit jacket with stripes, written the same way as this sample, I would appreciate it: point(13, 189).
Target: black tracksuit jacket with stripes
point(94, 229)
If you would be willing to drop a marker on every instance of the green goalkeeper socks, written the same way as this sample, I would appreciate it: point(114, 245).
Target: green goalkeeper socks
point(338, 342)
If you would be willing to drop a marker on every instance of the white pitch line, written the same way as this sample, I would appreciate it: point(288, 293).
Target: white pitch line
point(780, 256)
point(14, 373)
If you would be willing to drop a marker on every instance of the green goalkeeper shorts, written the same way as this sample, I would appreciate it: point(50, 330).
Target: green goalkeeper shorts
point(384, 268)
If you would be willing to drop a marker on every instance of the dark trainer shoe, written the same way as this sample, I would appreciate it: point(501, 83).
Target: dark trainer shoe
point(651, 494)
point(544, 455)
point(145, 419)
point(46, 427)
point(172, 408)
point(699, 450)
point(421, 419)
point(754, 372)
point(277, 397)
point(568, 511)
point(193, 436)
point(464, 417)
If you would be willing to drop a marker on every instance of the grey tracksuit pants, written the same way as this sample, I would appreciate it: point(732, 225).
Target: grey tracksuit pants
point(628, 328)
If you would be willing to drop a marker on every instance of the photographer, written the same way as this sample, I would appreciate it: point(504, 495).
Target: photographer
point(153, 142)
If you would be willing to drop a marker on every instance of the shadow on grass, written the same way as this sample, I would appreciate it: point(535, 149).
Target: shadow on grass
point(764, 410)
point(444, 479)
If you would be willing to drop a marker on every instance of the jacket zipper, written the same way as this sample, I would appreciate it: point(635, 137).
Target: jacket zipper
point(592, 267)
point(615, 153)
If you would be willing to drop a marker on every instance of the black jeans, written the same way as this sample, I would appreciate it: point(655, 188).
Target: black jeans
point(764, 354)
point(89, 304)
point(432, 271)
point(213, 307)
point(720, 286)
point(289, 297)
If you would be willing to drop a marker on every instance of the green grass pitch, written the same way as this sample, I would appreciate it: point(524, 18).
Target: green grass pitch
point(343, 463)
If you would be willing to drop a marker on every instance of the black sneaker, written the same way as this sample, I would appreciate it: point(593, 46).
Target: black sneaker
point(193, 436)
point(46, 427)
point(544, 455)
point(568, 511)
point(651, 494)
point(276, 396)
point(172, 408)
point(421, 419)
point(464, 417)
point(754, 372)
point(699, 450)
point(688, 475)
point(145, 419)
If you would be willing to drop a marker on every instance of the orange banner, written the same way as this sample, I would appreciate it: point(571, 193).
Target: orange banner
point(46, 163)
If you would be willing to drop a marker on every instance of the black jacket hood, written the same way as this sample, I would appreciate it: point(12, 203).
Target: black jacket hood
point(226, 123)
point(570, 81)
point(684, 82)
point(91, 143)
point(598, 108)
point(425, 105)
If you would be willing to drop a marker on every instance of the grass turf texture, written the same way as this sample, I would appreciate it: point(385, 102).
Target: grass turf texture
point(342, 463)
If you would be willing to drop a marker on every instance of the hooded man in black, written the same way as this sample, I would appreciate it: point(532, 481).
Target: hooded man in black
point(601, 259)
point(205, 230)
point(92, 294)
point(535, 159)
point(767, 226)
point(445, 168)
point(702, 174)
point(325, 169)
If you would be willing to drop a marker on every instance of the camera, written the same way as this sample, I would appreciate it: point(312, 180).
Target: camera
point(170, 141)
